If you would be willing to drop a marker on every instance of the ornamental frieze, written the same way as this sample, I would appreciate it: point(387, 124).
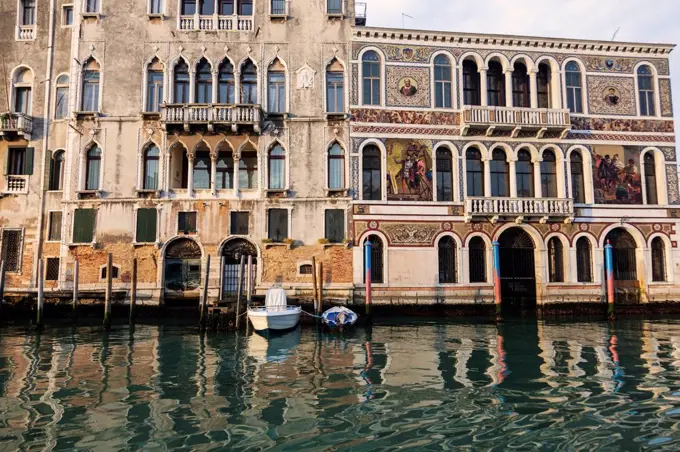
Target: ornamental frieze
point(411, 233)
point(622, 125)
point(368, 115)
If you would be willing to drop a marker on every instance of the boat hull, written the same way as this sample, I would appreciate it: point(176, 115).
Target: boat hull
point(274, 320)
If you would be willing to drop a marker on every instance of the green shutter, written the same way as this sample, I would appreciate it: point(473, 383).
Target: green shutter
point(146, 225)
point(29, 161)
point(83, 225)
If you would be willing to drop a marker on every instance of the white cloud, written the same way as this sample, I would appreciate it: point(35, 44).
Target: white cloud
point(639, 20)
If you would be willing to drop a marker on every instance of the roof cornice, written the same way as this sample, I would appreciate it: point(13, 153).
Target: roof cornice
point(426, 37)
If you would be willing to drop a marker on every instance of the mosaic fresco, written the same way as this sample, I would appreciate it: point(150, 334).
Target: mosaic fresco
point(408, 87)
point(616, 175)
point(601, 100)
point(621, 125)
point(669, 153)
point(672, 182)
point(355, 85)
point(666, 98)
point(368, 115)
point(409, 170)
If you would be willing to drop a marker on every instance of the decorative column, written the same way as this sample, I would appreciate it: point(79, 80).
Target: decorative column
point(487, 178)
point(533, 88)
point(508, 88)
point(192, 86)
point(483, 88)
point(215, 76)
point(513, 178)
point(213, 173)
point(190, 174)
point(538, 190)
point(235, 175)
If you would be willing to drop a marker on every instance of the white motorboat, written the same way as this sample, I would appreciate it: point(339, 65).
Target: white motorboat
point(276, 315)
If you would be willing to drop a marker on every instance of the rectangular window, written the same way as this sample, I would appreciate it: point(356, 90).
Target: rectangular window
point(335, 225)
point(52, 269)
point(245, 8)
point(61, 109)
point(188, 7)
point(239, 223)
point(226, 7)
point(278, 7)
point(54, 231)
point(20, 161)
point(90, 91)
point(146, 225)
point(67, 15)
point(22, 100)
point(83, 225)
point(277, 92)
point(11, 249)
point(278, 225)
point(186, 223)
point(156, 7)
point(154, 91)
point(92, 6)
point(334, 6)
point(207, 7)
point(28, 12)
point(335, 92)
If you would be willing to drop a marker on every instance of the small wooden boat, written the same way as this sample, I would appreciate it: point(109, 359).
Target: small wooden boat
point(339, 317)
point(276, 315)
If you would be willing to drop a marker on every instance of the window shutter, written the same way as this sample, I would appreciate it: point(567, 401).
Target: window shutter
point(335, 225)
point(29, 161)
point(83, 225)
point(146, 225)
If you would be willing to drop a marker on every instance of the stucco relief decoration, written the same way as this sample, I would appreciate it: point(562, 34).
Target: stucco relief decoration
point(355, 177)
point(672, 181)
point(616, 175)
point(583, 227)
point(368, 115)
point(622, 125)
point(447, 226)
point(666, 98)
point(555, 227)
point(620, 65)
point(601, 100)
point(669, 153)
point(409, 170)
point(355, 86)
point(305, 77)
point(408, 86)
point(410, 234)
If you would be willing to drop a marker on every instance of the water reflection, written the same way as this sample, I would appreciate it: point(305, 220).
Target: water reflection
point(424, 385)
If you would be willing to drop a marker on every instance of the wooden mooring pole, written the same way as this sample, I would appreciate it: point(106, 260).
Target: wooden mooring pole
point(204, 296)
point(133, 291)
point(239, 292)
point(76, 270)
point(39, 320)
point(249, 282)
point(107, 295)
point(2, 284)
point(319, 306)
point(314, 292)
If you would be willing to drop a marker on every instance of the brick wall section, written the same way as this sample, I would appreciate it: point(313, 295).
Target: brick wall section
point(281, 264)
point(91, 260)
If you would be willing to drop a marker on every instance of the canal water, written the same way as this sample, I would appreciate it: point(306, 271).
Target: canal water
point(426, 385)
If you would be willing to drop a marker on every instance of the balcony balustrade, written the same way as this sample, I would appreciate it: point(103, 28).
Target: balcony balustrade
point(539, 120)
point(26, 32)
point(212, 114)
point(520, 208)
point(16, 123)
point(16, 185)
point(215, 22)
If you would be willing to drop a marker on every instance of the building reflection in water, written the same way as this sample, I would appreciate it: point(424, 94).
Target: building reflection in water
point(168, 388)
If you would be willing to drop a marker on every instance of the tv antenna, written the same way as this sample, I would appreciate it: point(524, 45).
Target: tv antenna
point(616, 33)
point(403, 19)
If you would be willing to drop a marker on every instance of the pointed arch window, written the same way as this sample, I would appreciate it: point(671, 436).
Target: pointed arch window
point(93, 168)
point(276, 87)
point(202, 170)
point(247, 171)
point(336, 167)
point(549, 175)
point(525, 174)
point(574, 83)
point(181, 83)
point(477, 257)
point(90, 102)
point(495, 84)
point(224, 170)
point(650, 178)
point(658, 260)
point(248, 83)
point(500, 181)
point(474, 169)
point(520, 86)
point(151, 161)
point(62, 97)
point(646, 91)
point(372, 174)
point(543, 79)
point(154, 86)
point(335, 88)
point(444, 175)
point(371, 78)
point(277, 168)
point(442, 82)
point(471, 83)
point(23, 88)
point(226, 89)
point(555, 260)
point(578, 189)
point(57, 171)
point(447, 261)
point(584, 260)
point(203, 82)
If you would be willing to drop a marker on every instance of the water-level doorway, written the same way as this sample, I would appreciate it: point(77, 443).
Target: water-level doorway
point(232, 252)
point(182, 271)
point(518, 271)
point(624, 254)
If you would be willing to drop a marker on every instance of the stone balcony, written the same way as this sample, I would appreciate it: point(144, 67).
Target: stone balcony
point(216, 23)
point(26, 32)
point(520, 209)
point(233, 116)
point(538, 120)
point(16, 123)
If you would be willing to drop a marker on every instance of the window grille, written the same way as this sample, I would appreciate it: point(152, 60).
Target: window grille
point(11, 249)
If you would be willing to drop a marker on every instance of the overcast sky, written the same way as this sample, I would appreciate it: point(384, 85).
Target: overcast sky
point(640, 21)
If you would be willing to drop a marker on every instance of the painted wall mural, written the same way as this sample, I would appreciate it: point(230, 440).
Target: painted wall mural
point(409, 170)
point(408, 86)
point(603, 91)
point(370, 115)
point(621, 125)
point(616, 174)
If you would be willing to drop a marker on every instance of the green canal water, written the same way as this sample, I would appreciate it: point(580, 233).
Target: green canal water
point(426, 385)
